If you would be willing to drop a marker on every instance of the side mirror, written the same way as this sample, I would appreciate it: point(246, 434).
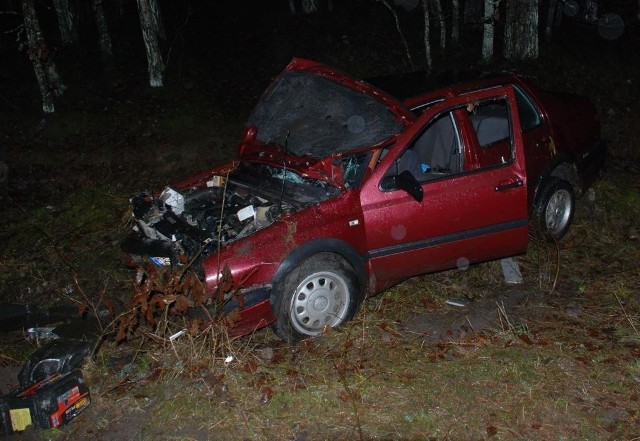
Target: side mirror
point(404, 181)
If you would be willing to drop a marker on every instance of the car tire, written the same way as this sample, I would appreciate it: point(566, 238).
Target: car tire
point(320, 292)
point(554, 209)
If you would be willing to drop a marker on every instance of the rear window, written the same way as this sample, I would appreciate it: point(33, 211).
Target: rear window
point(529, 114)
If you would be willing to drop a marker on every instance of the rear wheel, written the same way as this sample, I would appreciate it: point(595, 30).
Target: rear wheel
point(321, 292)
point(555, 207)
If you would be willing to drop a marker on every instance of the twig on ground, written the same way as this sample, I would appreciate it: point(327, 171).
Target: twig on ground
point(624, 311)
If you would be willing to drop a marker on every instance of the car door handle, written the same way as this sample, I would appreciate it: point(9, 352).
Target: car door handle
point(508, 185)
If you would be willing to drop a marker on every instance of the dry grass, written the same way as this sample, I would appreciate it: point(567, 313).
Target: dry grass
point(570, 370)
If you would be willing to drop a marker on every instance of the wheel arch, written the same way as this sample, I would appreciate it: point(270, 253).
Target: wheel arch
point(327, 245)
point(562, 167)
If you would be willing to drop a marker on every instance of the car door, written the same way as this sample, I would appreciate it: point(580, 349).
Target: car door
point(473, 207)
point(539, 145)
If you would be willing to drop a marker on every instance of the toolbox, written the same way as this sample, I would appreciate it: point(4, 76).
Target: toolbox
point(48, 403)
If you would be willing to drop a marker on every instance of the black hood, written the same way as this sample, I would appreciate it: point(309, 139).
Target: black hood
point(317, 117)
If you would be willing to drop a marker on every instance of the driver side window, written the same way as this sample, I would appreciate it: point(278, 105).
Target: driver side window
point(435, 152)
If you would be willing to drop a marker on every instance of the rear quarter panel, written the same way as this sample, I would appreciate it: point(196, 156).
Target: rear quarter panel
point(574, 120)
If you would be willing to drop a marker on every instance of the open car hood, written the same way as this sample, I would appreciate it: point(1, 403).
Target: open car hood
point(315, 111)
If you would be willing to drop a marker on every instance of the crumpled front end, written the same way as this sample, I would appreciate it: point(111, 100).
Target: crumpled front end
point(178, 227)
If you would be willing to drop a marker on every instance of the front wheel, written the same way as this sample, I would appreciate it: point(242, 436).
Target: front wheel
point(555, 207)
point(321, 292)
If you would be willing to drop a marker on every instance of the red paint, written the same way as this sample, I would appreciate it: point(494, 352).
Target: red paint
point(477, 215)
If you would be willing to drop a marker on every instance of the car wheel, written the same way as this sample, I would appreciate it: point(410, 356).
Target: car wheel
point(321, 292)
point(555, 207)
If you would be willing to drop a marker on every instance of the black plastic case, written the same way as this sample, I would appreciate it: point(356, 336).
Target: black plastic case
point(49, 403)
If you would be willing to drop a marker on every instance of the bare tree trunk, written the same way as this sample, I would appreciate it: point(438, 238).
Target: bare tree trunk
point(157, 19)
point(64, 14)
point(521, 30)
point(103, 32)
point(44, 67)
point(473, 11)
point(404, 41)
point(292, 7)
point(488, 30)
point(552, 9)
point(309, 6)
point(150, 36)
point(441, 22)
point(455, 22)
point(427, 42)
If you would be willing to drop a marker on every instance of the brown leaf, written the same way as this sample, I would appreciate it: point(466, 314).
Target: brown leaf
point(260, 381)
point(526, 338)
point(583, 360)
point(266, 395)
point(181, 305)
point(492, 430)
point(250, 367)
point(109, 305)
point(350, 396)
point(194, 327)
point(240, 298)
point(344, 396)
point(592, 332)
point(232, 318)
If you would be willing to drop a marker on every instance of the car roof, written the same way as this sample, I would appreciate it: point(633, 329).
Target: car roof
point(406, 86)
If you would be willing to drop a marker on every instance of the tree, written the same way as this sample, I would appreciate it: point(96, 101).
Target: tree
point(103, 32)
point(473, 11)
point(427, 44)
point(488, 29)
point(65, 16)
point(552, 17)
point(455, 22)
point(441, 23)
point(150, 35)
point(521, 30)
point(404, 41)
point(309, 6)
point(49, 79)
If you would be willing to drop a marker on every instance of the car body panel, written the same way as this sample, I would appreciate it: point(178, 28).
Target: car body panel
point(475, 209)
point(406, 238)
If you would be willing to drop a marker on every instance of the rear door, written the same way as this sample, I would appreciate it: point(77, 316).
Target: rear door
point(474, 205)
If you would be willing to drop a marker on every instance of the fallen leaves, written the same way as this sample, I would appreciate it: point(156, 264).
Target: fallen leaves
point(162, 292)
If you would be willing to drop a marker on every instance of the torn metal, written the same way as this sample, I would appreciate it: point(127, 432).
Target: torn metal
point(180, 225)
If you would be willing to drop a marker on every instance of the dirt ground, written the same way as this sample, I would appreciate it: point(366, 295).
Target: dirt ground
point(555, 358)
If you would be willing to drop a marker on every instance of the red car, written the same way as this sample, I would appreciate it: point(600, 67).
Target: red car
point(342, 191)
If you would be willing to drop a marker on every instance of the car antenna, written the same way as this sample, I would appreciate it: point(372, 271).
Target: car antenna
point(284, 169)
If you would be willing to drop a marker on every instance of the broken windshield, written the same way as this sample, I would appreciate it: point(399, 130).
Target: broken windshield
point(316, 117)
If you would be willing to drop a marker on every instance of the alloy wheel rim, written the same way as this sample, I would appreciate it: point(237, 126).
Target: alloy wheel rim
point(320, 300)
point(558, 211)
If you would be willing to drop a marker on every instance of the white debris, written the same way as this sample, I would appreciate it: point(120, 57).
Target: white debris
point(511, 272)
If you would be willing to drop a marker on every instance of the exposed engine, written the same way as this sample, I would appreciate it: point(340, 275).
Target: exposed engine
point(192, 222)
point(182, 226)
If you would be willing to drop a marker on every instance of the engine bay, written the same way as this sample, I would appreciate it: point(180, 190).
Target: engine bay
point(180, 226)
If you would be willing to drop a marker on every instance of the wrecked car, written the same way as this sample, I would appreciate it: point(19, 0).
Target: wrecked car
point(342, 190)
